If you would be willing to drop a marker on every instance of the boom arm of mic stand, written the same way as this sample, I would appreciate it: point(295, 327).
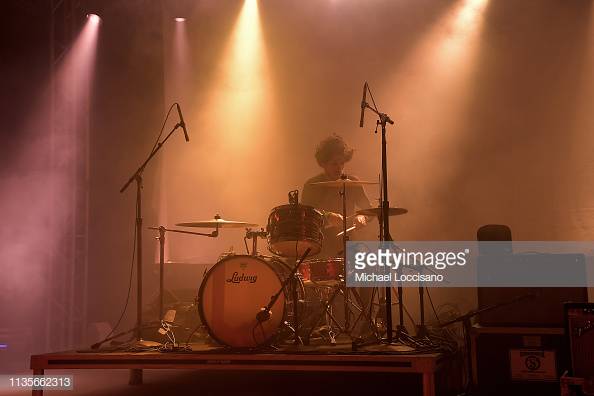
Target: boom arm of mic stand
point(144, 164)
point(384, 118)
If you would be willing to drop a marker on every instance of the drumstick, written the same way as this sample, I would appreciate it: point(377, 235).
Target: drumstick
point(348, 230)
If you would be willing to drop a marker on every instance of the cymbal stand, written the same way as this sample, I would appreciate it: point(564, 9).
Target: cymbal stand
point(161, 238)
point(345, 238)
point(342, 288)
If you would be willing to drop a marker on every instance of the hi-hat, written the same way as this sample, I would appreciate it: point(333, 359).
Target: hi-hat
point(378, 212)
point(343, 182)
point(217, 222)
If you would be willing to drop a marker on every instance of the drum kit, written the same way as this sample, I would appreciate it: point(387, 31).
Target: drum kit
point(232, 297)
point(255, 300)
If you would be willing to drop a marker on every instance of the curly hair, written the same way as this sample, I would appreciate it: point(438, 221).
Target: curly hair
point(331, 146)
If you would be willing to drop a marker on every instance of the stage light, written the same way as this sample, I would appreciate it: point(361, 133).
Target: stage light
point(94, 18)
point(444, 61)
point(244, 78)
point(180, 19)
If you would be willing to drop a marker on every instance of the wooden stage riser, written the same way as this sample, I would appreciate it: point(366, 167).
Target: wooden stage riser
point(425, 365)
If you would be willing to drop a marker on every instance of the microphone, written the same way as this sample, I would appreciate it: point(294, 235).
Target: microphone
point(363, 104)
point(182, 123)
point(263, 315)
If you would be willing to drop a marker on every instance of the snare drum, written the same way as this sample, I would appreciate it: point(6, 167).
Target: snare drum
point(233, 292)
point(294, 228)
point(327, 270)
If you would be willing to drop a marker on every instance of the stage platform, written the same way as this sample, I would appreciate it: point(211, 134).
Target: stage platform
point(376, 359)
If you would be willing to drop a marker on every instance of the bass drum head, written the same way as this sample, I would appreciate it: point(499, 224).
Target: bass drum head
point(232, 294)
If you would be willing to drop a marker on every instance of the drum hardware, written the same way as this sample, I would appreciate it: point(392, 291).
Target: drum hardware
point(161, 238)
point(142, 343)
point(345, 182)
point(137, 177)
point(254, 235)
point(330, 319)
point(341, 289)
point(167, 325)
point(294, 197)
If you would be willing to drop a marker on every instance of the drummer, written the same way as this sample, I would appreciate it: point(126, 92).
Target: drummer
point(332, 154)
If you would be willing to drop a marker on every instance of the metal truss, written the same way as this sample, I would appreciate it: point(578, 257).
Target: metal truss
point(67, 271)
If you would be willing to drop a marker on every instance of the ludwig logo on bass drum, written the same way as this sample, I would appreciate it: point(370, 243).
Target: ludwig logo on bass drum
point(236, 278)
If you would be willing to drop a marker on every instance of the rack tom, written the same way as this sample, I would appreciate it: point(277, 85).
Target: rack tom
point(294, 228)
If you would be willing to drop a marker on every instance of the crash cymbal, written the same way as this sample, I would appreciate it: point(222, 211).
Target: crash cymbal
point(377, 211)
point(341, 182)
point(217, 222)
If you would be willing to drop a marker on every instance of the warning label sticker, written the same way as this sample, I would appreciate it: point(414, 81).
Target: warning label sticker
point(532, 365)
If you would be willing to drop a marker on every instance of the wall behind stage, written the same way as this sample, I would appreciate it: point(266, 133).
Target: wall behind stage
point(491, 101)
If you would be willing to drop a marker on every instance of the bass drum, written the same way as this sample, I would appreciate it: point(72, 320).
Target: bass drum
point(233, 292)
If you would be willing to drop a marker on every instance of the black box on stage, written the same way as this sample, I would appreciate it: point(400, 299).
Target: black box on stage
point(542, 306)
point(518, 361)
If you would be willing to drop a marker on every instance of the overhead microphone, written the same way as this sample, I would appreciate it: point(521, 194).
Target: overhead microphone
point(363, 104)
point(182, 123)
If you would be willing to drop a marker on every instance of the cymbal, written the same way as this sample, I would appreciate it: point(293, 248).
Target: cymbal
point(341, 182)
point(378, 211)
point(217, 222)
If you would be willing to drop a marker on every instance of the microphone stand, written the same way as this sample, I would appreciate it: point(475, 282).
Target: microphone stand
point(467, 326)
point(265, 312)
point(383, 120)
point(137, 176)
